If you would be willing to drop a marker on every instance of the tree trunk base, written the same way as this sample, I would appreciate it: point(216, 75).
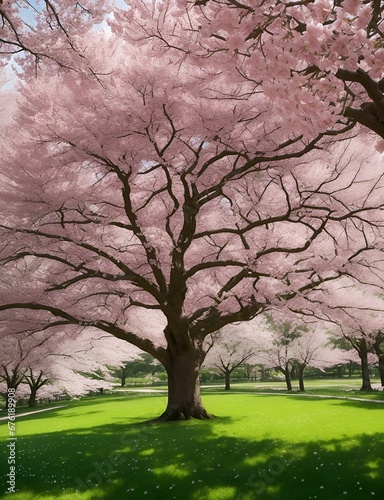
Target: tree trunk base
point(366, 389)
point(177, 413)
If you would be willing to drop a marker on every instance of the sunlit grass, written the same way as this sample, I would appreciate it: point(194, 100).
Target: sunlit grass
point(343, 388)
point(267, 447)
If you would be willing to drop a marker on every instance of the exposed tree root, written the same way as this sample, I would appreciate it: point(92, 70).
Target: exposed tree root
point(173, 414)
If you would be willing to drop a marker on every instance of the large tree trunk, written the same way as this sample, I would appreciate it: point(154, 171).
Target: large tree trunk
point(381, 369)
point(301, 377)
point(286, 372)
point(380, 354)
point(183, 369)
point(227, 375)
point(32, 397)
point(288, 379)
point(360, 344)
point(366, 385)
point(123, 377)
point(366, 379)
point(13, 379)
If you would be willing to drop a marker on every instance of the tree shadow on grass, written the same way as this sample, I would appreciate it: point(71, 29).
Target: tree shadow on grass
point(194, 461)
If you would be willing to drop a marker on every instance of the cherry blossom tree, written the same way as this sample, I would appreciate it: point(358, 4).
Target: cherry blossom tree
point(10, 378)
point(313, 349)
point(280, 350)
point(348, 361)
point(307, 55)
point(363, 342)
point(15, 356)
point(70, 365)
point(140, 204)
point(48, 29)
point(378, 346)
point(356, 310)
point(35, 381)
point(294, 343)
point(230, 350)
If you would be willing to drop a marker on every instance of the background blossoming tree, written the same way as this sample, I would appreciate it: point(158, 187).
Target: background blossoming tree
point(231, 348)
point(353, 313)
point(293, 343)
point(163, 200)
point(361, 326)
point(41, 364)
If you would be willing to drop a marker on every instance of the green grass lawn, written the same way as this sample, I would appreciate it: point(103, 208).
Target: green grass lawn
point(340, 387)
point(260, 447)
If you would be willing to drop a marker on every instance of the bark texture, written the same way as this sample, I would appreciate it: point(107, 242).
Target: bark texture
point(183, 370)
point(366, 379)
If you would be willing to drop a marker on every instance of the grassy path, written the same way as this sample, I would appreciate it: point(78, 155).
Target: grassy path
point(24, 414)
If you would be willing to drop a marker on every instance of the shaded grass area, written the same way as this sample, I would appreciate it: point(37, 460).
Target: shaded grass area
point(267, 447)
